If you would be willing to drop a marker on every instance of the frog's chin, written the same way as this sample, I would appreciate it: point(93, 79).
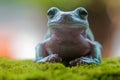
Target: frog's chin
point(68, 30)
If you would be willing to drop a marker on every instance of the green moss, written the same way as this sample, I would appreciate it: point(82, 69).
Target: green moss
point(27, 70)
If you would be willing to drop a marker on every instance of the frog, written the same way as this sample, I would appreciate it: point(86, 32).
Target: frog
point(69, 39)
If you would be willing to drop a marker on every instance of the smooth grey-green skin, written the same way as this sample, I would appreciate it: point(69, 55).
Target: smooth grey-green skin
point(95, 57)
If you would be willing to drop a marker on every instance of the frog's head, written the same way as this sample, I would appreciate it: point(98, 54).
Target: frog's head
point(71, 19)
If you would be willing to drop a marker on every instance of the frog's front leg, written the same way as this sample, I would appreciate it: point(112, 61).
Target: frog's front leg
point(42, 55)
point(93, 58)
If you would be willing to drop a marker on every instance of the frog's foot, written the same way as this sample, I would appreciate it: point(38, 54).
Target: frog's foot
point(83, 60)
point(51, 58)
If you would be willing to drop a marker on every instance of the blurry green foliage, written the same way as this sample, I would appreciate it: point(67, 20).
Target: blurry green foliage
point(27, 70)
point(62, 4)
point(66, 5)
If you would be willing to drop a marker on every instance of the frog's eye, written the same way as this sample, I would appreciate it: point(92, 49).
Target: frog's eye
point(51, 12)
point(82, 13)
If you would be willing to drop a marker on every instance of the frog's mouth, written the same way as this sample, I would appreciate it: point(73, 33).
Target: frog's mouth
point(67, 25)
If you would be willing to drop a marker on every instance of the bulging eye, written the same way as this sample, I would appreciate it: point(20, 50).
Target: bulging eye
point(51, 12)
point(82, 13)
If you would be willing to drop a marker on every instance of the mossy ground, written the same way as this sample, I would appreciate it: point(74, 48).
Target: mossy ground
point(27, 70)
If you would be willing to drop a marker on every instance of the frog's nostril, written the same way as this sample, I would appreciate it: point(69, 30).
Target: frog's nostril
point(66, 17)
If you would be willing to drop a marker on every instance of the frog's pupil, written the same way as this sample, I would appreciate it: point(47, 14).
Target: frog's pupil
point(83, 13)
point(51, 13)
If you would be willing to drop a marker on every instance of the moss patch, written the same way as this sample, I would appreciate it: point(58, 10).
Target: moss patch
point(27, 70)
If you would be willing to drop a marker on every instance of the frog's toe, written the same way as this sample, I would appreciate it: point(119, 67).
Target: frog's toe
point(74, 62)
point(51, 58)
point(89, 60)
point(54, 58)
point(43, 60)
point(82, 60)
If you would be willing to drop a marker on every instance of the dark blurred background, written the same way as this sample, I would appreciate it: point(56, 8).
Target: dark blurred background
point(23, 24)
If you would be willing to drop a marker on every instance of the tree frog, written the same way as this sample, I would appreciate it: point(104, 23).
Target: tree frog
point(69, 39)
